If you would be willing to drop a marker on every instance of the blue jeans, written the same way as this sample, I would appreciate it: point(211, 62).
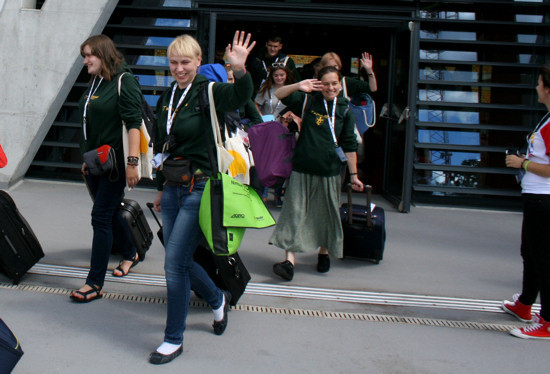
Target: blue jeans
point(182, 235)
point(108, 225)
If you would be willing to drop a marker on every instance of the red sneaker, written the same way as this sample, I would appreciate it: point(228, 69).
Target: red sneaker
point(517, 309)
point(538, 330)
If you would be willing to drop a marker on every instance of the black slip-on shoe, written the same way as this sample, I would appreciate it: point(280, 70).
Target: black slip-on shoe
point(323, 263)
point(219, 326)
point(284, 269)
point(157, 358)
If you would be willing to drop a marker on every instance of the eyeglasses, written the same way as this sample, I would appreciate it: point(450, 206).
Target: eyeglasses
point(278, 64)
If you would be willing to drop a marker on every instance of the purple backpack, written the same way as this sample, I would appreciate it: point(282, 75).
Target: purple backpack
point(272, 147)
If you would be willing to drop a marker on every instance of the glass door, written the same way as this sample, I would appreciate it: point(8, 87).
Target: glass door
point(394, 115)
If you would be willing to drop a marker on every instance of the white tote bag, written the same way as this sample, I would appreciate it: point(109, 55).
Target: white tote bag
point(145, 168)
point(224, 158)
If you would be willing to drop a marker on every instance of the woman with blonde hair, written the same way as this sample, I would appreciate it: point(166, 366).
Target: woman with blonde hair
point(184, 128)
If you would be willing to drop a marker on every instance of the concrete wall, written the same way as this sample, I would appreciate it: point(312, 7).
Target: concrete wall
point(40, 60)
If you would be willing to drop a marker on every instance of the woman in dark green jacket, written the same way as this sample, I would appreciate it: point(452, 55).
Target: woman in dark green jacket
point(103, 111)
point(310, 217)
point(184, 127)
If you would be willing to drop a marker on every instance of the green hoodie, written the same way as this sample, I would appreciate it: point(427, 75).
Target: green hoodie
point(315, 152)
point(190, 125)
point(106, 111)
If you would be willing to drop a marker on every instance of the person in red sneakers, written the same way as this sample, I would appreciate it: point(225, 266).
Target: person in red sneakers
point(534, 170)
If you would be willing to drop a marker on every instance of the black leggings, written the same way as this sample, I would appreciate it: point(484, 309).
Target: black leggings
point(535, 251)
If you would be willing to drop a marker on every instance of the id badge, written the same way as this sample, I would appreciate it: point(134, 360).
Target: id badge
point(519, 175)
point(341, 154)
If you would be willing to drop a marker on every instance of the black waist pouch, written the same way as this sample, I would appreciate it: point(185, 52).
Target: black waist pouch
point(177, 171)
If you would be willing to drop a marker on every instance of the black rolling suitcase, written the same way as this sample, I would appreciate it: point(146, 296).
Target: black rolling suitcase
point(10, 349)
point(140, 230)
point(364, 231)
point(227, 272)
point(19, 247)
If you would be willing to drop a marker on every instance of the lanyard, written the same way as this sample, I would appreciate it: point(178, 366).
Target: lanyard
point(537, 128)
point(277, 101)
point(331, 119)
point(90, 94)
point(171, 114)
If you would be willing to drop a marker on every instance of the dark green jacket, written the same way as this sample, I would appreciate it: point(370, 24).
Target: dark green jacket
point(315, 152)
point(246, 112)
point(107, 110)
point(190, 125)
point(251, 112)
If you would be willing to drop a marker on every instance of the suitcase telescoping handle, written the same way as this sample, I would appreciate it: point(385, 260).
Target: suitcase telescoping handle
point(151, 206)
point(368, 190)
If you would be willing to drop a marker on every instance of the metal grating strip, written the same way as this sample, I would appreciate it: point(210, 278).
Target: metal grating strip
point(284, 311)
point(311, 293)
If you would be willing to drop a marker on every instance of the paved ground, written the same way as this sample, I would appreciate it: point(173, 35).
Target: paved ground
point(431, 306)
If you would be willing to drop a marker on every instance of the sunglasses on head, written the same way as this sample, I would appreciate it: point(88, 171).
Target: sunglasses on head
point(278, 65)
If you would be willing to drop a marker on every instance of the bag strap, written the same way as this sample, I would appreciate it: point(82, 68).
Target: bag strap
point(345, 88)
point(119, 82)
point(213, 116)
point(205, 104)
point(306, 106)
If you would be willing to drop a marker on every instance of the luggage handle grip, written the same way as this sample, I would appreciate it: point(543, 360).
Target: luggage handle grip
point(368, 190)
point(151, 206)
point(12, 247)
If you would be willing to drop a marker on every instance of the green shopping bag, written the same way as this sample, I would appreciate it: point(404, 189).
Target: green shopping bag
point(227, 208)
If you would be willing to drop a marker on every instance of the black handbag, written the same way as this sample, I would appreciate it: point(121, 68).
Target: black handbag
point(227, 272)
point(101, 160)
point(177, 171)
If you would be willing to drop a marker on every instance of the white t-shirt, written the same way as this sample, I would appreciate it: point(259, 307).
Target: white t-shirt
point(268, 103)
point(538, 143)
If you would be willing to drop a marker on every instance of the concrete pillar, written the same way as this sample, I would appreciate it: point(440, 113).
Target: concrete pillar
point(28, 4)
point(40, 61)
